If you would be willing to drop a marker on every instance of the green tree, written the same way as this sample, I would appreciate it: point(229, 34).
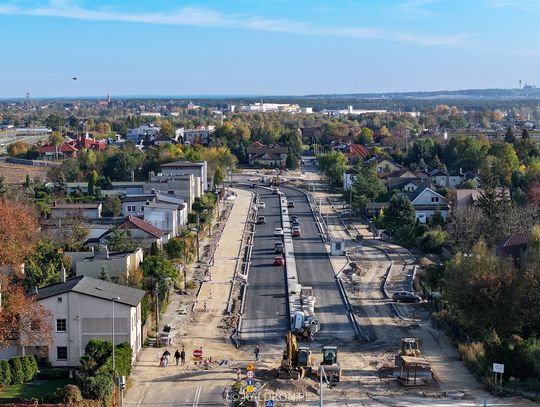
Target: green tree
point(119, 240)
point(158, 268)
point(112, 206)
point(366, 136)
point(218, 177)
point(120, 165)
point(56, 138)
point(43, 265)
point(333, 164)
point(366, 188)
point(55, 122)
point(92, 182)
point(399, 213)
point(166, 128)
point(509, 136)
point(525, 134)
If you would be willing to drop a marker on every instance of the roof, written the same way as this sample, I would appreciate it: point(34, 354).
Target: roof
point(184, 164)
point(136, 223)
point(76, 205)
point(94, 287)
point(513, 245)
point(259, 148)
point(62, 148)
point(356, 150)
point(419, 191)
point(138, 198)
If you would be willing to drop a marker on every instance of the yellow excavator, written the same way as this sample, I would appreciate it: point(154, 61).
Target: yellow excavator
point(411, 368)
point(296, 361)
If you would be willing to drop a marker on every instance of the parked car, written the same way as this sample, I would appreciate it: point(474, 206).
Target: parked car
point(253, 185)
point(295, 223)
point(296, 231)
point(279, 261)
point(290, 204)
point(262, 205)
point(261, 220)
point(278, 247)
point(406, 296)
point(278, 232)
point(294, 218)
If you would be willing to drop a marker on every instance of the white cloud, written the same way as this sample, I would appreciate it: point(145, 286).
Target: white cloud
point(203, 17)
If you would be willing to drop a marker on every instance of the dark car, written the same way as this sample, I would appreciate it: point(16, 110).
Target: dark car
point(278, 247)
point(253, 186)
point(261, 220)
point(294, 218)
point(406, 296)
point(290, 204)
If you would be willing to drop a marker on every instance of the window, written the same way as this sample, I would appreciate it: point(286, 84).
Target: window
point(59, 299)
point(61, 325)
point(142, 208)
point(434, 199)
point(131, 208)
point(61, 353)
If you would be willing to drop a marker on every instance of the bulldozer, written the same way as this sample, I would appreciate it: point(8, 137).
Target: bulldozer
point(330, 364)
point(296, 361)
point(411, 368)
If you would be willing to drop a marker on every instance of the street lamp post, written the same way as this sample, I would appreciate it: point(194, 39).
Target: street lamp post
point(185, 264)
point(198, 227)
point(113, 299)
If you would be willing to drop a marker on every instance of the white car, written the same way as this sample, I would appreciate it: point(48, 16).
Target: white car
point(278, 232)
point(262, 205)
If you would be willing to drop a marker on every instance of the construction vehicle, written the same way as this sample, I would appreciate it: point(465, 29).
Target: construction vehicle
point(305, 324)
point(330, 364)
point(276, 181)
point(296, 361)
point(411, 368)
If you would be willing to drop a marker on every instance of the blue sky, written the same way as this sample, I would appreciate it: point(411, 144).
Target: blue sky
point(285, 47)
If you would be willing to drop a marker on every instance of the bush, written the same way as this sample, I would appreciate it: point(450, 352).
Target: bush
point(98, 387)
point(17, 373)
point(53, 374)
point(69, 394)
point(29, 366)
point(432, 241)
point(474, 356)
point(6, 372)
point(122, 361)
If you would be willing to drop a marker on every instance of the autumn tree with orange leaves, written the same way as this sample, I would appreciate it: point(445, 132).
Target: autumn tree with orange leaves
point(22, 319)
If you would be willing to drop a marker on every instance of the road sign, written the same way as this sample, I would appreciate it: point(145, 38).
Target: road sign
point(250, 374)
point(197, 353)
point(269, 403)
point(250, 366)
point(498, 368)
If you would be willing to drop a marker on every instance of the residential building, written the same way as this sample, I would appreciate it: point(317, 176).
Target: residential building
point(407, 184)
point(513, 245)
point(163, 140)
point(426, 202)
point(200, 135)
point(76, 210)
point(447, 179)
point(196, 168)
point(169, 217)
point(350, 110)
point(355, 152)
point(141, 233)
point(118, 265)
point(142, 133)
point(88, 143)
point(276, 107)
point(51, 152)
point(82, 309)
point(271, 156)
point(385, 164)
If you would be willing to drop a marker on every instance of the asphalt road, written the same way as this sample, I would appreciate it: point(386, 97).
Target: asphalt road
point(315, 270)
point(266, 315)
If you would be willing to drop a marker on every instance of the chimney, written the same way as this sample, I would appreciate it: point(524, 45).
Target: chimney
point(62, 274)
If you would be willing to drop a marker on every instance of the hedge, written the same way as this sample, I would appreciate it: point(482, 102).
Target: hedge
point(6, 372)
point(17, 373)
point(29, 366)
point(122, 361)
point(53, 374)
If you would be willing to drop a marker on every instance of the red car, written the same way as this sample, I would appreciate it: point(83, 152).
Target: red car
point(295, 231)
point(279, 261)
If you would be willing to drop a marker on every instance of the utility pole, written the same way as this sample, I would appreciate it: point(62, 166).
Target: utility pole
point(350, 204)
point(198, 227)
point(185, 264)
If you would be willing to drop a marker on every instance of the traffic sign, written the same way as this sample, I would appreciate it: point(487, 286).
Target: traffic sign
point(498, 368)
point(250, 389)
point(269, 403)
point(197, 353)
point(250, 366)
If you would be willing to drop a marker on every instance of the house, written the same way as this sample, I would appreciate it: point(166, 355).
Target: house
point(50, 152)
point(76, 210)
point(385, 165)
point(468, 197)
point(447, 179)
point(185, 187)
point(133, 205)
point(142, 233)
point(355, 152)
point(117, 265)
point(163, 140)
point(426, 202)
point(513, 245)
point(142, 133)
point(82, 309)
point(196, 168)
point(200, 135)
point(400, 174)
point(87, 143)
point(273, 155)
point(407, 184)
point(169, 217)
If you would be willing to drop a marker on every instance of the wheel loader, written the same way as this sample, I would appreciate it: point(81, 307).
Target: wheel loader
point(330, 364)
point(411, 368)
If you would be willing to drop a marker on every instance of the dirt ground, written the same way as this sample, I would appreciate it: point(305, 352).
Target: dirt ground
point(16, 174)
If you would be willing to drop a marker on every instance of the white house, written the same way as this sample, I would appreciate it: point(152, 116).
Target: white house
point(82, 309)
point(449, 179)
point(168, 217)
point(426, 202)
point(200, 135)
point(196, 168)
point(76, 210)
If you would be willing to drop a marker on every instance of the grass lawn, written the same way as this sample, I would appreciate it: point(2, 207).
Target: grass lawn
point(38, 390)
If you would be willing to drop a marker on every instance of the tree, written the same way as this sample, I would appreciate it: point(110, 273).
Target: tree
point(158, 268)
point(18, 149)
point(366, 188)
point(119, 240)
point(119, 166)
point(509, 136)
point(525, 134)
point(3, 188)
point(399, 213)
point(112, 206)
point(43, 266)
point(333, 164)
point(56, 138)
point(18, 232)
point(92, 182)
point(54, 122)
point(218, 177)
point(166, 128)
point(366, 136)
